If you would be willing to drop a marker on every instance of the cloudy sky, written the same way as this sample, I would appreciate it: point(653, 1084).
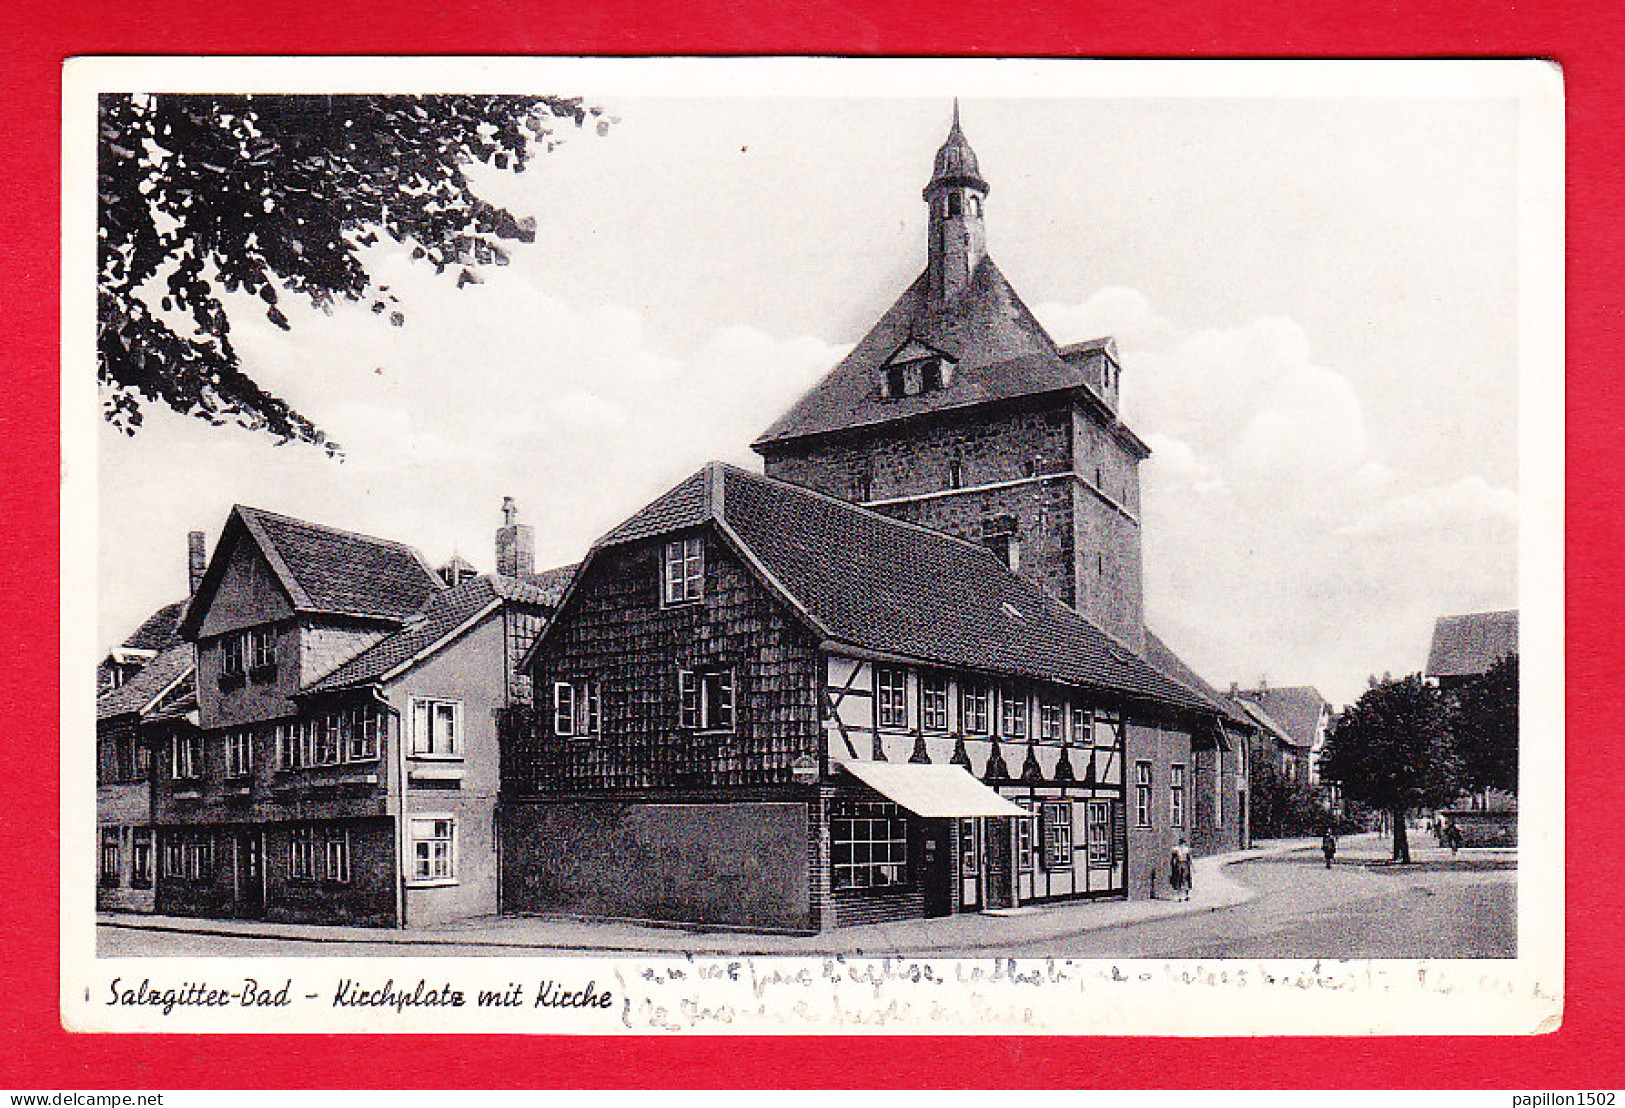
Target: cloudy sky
point(1315, 299)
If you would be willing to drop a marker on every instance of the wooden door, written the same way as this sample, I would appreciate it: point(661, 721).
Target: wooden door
point(250, 875)
point(936, 865)
point(1001, 873)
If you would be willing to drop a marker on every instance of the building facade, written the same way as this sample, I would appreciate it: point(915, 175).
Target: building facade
point(344, 765)
point(769, 708)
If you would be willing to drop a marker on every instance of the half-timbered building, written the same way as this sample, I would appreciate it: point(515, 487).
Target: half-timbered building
point(344, 769)
point(766, 707)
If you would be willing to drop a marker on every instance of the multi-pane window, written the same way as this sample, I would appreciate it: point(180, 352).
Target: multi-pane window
point(1025, 838)
point(141, 857)
point(1080, 725)
point(261, 648)
point(198, 857)
point(436, 728)
point(1098, 817)
point(577, 708)
point(336, 855)
point(1176, 794)
point(1050, 722)
point(174, 855)
point(891, 697)
point(1218, 787)
point(324, 741)
point(302, 853)
point(239, 753)
point(933, 702)
point(433, 848)
point(706, 699)
point(110, 856)
point(1058, 834)
point(1012, 715)
point(869, 845)
point(1142, 794)
point(684, 573)
point(973, 709)
point(970, 862)
point(233, 660)
point(186, 756)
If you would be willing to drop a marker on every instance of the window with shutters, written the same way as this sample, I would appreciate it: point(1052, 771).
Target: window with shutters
point(706, 699)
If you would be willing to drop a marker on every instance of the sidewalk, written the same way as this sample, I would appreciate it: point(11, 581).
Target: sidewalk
point(1212, 889)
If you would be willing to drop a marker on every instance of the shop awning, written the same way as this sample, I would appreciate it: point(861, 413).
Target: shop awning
point(932, 790)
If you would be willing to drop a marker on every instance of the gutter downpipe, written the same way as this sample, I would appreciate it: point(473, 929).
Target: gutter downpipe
point(399, 746)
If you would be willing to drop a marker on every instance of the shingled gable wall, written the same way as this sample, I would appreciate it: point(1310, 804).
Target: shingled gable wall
point(649, 821)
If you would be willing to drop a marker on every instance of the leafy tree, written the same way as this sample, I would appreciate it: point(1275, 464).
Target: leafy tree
point(276, 196)
point(1392, 750)
point(1486, 728)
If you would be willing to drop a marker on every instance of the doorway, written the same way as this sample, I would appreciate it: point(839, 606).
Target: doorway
point(249, 876)
point(1000, 872)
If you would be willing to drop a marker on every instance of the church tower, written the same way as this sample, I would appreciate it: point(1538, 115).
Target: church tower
point(957, 411)
point(954, 198)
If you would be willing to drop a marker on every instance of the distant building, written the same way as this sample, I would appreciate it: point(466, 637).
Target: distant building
point(1466, 646)
point(344, 769)
point(1305, 717)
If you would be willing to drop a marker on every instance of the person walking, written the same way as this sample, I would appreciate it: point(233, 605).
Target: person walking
point(1179, 870)
point(1328, 846)
point(1454, 835)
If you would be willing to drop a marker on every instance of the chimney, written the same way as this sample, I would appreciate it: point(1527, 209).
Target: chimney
point(516, 543)
point(197, 560)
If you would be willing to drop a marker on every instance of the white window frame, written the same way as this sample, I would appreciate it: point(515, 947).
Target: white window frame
point(1026, 838)
point(421, 747)
point(186, 757)
point(891, 698)
point(302, 853)
point(239, 753)
point(577, 708)
point(259, 649)
point(1097, 821)
point(110, 852)
point(336, 855)
point(682, 570)
point(1051, 722)
point(1082, 725)
point(234, 654)
point(1218, 786)
point(415, 837)
point(1012, 723)
point(975, 707)
point(707, 699)
point(1142, 793)
point(1176, 794)
point(141, 857)
point(934, 696)
point(1057, 838)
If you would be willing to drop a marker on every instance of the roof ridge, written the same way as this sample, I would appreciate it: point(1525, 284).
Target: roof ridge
point(329, 528)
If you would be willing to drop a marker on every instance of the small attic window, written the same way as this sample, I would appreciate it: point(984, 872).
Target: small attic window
point(930, 375)
point(975, 205)
point(956, 473)
point(953, 203)
point(896, 382)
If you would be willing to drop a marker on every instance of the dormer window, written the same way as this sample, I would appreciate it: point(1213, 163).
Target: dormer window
point(930, 375)
point(956, 473)
point(684, 570)
point(975, 204)
point(896, 382)
point(915, 368)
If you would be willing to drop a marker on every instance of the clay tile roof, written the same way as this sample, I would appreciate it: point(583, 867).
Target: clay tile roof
point(161, 677)
point(1264, 720)
point(1164, 659)
point(1468, 645)
point(444, 613)
point(1000, 350)
point(340, 571)
point(1297, 708)
point(160, 630)
point(868, 581)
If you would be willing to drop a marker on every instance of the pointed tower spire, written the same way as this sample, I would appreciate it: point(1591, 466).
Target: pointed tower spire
point(958, 241)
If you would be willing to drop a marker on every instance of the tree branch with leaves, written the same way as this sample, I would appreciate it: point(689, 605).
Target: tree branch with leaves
point(277, 196)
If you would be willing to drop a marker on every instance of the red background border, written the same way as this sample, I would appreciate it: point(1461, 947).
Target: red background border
point(1586, 36)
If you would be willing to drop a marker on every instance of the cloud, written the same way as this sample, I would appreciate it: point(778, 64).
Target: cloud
point(1455, 508)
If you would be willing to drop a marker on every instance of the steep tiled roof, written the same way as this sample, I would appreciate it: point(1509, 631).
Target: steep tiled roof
point(1264, 720)
point(1297, 708)
point(444, 613)
point(871, 582)
point(1164, 659)
point(161, 677)
point(341, 571)
point(1000, 352)
point(1468, 645)
point(160, 630)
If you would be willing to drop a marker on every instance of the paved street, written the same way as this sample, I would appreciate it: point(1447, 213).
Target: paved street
point(1277, 901)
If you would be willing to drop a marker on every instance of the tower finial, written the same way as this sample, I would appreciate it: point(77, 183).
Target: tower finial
point(956, 114)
